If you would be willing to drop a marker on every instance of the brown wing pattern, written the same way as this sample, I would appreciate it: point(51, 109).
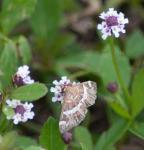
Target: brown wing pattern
point(90, 89)
point(76, 100)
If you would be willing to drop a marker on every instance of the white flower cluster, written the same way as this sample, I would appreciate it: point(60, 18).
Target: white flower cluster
point(113, 23)
point(22, 111)
point(22, 76)
point(58, 90)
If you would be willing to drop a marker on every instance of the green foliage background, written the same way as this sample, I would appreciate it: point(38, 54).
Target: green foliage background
point(57, 38)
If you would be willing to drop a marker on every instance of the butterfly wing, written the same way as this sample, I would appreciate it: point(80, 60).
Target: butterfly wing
point(76, 101)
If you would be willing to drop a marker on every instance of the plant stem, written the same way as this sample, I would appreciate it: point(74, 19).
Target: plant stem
point(118, 74)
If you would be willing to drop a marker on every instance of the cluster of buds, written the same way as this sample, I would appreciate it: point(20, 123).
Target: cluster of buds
point(59, 88)
point(22, 76)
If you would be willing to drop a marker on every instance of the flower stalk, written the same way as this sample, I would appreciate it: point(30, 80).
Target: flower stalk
point(118, 74)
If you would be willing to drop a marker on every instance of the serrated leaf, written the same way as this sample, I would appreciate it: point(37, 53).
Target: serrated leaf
point(110, 137)
point(106, 67)
point(99, 64)
point(14, 11)
point(24, 50)
point(137, 103)
point(8, 63)
point(50, 137)
point(29, 92)
point(135, 49)
point(137, 128)
point(83, 137)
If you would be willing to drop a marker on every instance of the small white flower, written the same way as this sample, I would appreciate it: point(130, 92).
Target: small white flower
point(55, 82)
point(23, 71)
point(28, 80)
point(65, 81)
point(113, 23)
point(12, 103)
point(16, 118)
point(22, 76)
point(58, 90)
point(22, 111)
point(57, 97)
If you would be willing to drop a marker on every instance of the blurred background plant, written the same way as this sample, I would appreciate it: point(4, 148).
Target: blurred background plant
point(59, 37)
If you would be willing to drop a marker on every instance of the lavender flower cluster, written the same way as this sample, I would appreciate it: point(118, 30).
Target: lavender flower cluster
point(22, 76)
point(113, 23)
point(59, 87)
point(21, 112)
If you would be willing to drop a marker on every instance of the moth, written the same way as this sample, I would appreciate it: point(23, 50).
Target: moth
point(77, 98)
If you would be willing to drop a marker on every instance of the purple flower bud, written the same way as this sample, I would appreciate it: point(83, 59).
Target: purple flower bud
point(19, 109)
point(67, 137)
point(112, 87)
point(17, 80)
point(112, 21)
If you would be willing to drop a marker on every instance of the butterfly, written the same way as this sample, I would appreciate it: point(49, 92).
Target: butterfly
point(77, 98)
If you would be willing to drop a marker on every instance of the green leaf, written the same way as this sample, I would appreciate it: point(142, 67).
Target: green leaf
point(4, 124)
point(84, 138)
point(138, 129)
point(119, 109)
point(23, 142)
point(8, 141)
point(8, 111)
point(29, 92)
point(135, 49)
point(8, 63)
point(71, 5)
point(24, 50)
point(50, 137)
point(83, 146)
point(110, 137)
point(107, 67)
point(137, 103)
point(46, 19)
point(14, 11)
point(33, 148)
point(111, 148)
point(99, 64)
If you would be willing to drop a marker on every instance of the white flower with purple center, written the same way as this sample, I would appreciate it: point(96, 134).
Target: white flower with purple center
point(113, 23)
point(22, 76)
point(21, 111)
point(59, 87)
